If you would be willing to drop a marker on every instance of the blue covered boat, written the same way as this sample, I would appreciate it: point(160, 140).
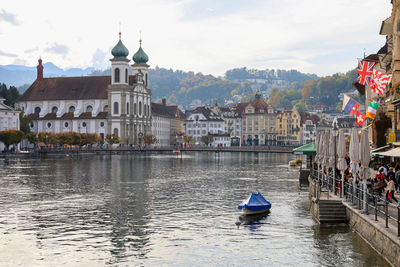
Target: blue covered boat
point(255, 204)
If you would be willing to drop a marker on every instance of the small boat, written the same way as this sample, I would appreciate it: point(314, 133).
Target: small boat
point(292, 163)
point(255, 204)
point(176, 151)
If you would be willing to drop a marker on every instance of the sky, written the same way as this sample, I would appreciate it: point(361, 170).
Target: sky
point(208, 36)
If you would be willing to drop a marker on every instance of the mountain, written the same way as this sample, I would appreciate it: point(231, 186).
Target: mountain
point(18, 75)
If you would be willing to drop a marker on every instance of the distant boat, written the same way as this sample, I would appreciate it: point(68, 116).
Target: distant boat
point(255, 204)
point(292, 163)
point(176, 151)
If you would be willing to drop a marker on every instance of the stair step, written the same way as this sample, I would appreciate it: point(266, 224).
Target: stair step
point(332, 213)
point(333, 216)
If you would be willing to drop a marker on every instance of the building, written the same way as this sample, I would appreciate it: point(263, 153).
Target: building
point(9, 119)
point(288, 125)
point(203, 121)
point(232, 123)
point(308, 127)
point(221, 140)
point(258, 122)
point(120, 104)
point(167, 123)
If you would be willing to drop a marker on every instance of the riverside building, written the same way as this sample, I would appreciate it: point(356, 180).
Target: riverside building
point(118, 104)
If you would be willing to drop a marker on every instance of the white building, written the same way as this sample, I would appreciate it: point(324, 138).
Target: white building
point(221, 140)
point(9, 119)
point(203, 121)
point(120, 104)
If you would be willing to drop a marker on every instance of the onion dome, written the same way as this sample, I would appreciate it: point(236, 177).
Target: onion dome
point(140, 57)
point(120, 51)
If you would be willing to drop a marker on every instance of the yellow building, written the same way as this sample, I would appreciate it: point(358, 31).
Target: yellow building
point(288, 125)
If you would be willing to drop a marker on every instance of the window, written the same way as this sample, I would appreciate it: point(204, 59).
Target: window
point(140, 108)
point(116, 75)
point(89, 108)
point(71, 109)
point(37, 110)
point(66, 124)
point(105, 109)
point(134, 108)
point(116, 131)
point(84, 124)
point(126, 75)
point(54, 110)
point(145, 109)
point(32, 124)
point(116, 108)
point(49, 125)
point(102, 124)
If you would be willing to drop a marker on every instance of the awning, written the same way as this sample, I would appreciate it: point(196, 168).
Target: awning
point(394, 152)
point(308, 149)
point(386, 27)
point(378, 151)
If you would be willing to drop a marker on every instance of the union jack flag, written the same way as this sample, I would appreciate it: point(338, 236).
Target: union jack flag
point(379, 81)
point(364, 71)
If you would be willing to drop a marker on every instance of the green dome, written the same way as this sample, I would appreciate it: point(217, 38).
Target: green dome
point(120, 51)
point(140, 56)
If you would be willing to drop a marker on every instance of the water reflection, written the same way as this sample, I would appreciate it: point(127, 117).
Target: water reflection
point(156, 210)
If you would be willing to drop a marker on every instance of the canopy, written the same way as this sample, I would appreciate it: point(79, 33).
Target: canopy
point(394, 152)
point(331, 150)
point(341, 165)
point(255, 202)
point(309, 149)
point(365, 155)
point(354, 151)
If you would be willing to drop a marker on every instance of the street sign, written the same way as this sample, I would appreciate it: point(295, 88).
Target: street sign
point(392, 138)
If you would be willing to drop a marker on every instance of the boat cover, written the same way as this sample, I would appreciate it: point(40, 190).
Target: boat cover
point(255, 202)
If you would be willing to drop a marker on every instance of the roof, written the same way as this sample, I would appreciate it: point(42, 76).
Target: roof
point(308, 149)
point(307, 116)
point(208, 113)
point(69, 88)
point(4, 106)
point(167, 111)
point(240, 107)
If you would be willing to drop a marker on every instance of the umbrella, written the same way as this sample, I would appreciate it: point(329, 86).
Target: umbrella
point(331, 150)
point(364, 155)
point(364, 158)
point(326, 150)
point(354, 152)
point(341, 150)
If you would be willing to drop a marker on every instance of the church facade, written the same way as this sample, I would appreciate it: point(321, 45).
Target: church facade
point(118, 104)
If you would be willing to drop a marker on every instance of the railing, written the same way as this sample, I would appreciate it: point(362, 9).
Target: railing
point(375, 202)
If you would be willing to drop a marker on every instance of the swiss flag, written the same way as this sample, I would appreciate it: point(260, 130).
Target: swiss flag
point(360, 118)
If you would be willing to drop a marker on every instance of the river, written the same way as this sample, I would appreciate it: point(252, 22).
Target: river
point(160, 210)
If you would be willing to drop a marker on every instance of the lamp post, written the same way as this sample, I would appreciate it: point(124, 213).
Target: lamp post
point(335, 133)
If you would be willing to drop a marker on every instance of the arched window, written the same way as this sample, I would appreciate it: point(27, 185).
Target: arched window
point(126, 75)
point(116, 110)
point(127, 107)
point(71, 109)
point(116, 131)
point(145, 109)
point(134, 108)
point(89, 108)
point(147, 82)
point(105, 109)
point(140, 108)
point(54, 110)
point(116, 75)
point(148, 110)
point(37, 110)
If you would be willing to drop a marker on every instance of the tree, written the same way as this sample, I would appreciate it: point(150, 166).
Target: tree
point(187, 138)
point(24, 121)
point(112, 139)
point(48, 138)
point(90, 138)
point(11, 137)
point(32, 138)
point(149, 139)
point(207, 139)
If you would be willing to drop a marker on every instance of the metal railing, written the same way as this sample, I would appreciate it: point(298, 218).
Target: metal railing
point(353, 194)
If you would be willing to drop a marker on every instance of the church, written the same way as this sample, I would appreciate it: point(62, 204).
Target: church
point(118, 104)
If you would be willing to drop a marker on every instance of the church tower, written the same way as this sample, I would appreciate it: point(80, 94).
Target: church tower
point(118, 102)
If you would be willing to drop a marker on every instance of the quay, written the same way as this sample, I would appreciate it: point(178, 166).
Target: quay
point(379, 226)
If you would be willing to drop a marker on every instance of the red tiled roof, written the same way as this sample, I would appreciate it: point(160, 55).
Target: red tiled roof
point(240, 107)
point(69, 88)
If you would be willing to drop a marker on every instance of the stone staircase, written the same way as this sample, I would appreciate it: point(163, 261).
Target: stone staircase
point(331, 212)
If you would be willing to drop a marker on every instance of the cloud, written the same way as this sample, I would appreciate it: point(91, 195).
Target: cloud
point(58, 49)
point(31, 50)
point(100, 59)
point(5, 54)
point(21, 62)
point(8, 17)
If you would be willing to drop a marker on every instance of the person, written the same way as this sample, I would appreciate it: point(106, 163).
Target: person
point(390, 189)
point(379, 175)
point(390, 173)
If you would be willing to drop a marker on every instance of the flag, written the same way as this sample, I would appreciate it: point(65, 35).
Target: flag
point(350, 105)
point(364, 71)
point(379, 81)
point(372, 108)
point(360, 118)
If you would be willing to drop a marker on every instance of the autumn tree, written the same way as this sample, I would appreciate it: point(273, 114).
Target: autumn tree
point(112, 139)
point(207, 139)
point(149, 139)
point(24, 121)
point(32, 138)
point(11, 137)
point(187, 138)
point(90, 138)
point(48, 138)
